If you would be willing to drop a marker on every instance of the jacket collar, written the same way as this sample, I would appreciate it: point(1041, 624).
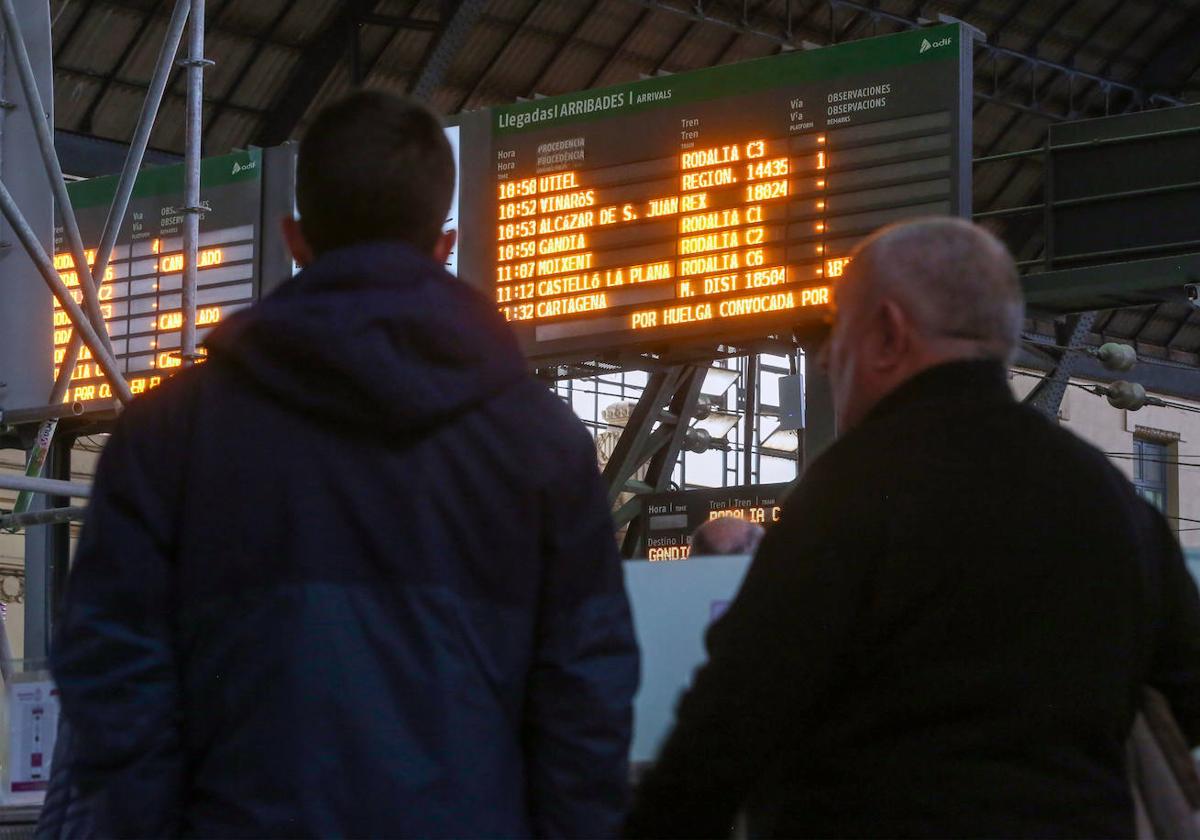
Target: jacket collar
point(377, 264)
point(974, 380)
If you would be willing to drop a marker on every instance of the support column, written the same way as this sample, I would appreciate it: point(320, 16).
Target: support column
point(47, 559)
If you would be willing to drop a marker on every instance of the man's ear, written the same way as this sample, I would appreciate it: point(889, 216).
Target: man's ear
point(302, 252)
point(893, 335)
point(444, 245)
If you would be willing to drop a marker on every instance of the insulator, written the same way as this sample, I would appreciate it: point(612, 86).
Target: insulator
point(697, 440)
point(1128, 395)
point(1117, 356)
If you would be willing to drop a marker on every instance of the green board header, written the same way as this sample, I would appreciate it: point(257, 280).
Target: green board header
point(938, 43)
point(166, 180)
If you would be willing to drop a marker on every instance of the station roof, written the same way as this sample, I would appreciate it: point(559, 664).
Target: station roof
point(278, 61)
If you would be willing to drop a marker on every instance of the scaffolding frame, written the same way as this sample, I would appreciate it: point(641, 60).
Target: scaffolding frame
point(86, 319)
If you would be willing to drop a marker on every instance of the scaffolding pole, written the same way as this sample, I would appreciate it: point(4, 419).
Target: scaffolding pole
point(49, 486)
point(58, 185)
point(195, 64)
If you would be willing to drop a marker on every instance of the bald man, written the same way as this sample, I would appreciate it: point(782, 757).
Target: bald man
point(947, 632)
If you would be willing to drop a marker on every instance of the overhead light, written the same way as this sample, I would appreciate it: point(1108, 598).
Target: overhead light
point(782, 440)
point(717, 423)
point(718, 380)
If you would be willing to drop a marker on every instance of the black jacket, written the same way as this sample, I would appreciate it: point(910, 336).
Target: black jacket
point(945, 635)
point(355, 576)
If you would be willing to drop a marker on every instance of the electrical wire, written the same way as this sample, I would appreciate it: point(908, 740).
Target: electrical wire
point(1091, 390)
point(1181, 518)
point(1152, 460)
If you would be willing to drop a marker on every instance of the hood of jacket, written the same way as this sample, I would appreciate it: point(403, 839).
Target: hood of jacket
point(376, 332)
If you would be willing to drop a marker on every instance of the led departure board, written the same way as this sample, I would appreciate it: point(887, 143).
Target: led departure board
point(721, 203)
point(672, 518)
point(140, 295)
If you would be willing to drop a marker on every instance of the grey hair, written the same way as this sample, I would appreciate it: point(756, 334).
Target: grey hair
point(953, 278)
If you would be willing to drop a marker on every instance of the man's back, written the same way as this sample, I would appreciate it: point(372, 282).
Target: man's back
point(973, 598)
point(392, 597)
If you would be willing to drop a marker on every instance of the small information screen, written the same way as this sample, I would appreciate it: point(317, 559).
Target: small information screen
point(672, 518)
point(724, 202)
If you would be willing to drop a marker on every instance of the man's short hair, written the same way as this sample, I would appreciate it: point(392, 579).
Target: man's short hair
point(373, 166)
point(953, 277)
point(726, 535)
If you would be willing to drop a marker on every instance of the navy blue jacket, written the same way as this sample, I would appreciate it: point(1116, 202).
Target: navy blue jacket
point(355, 576)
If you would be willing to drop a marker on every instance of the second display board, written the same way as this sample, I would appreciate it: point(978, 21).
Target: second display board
point(718, 205)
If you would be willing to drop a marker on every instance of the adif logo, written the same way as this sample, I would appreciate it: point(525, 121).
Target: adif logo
point(243, 167)
point(926, 46)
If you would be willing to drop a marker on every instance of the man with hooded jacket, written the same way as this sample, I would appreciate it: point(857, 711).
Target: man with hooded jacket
point(355, 575)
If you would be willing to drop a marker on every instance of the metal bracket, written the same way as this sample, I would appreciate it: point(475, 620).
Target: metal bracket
point(195, 62)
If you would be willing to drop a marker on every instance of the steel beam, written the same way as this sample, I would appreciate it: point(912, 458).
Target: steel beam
point(457, 23)
point(662, 447)
point(1112, 285)
point(628, 455)
point(1047, 395)
point(400, 22)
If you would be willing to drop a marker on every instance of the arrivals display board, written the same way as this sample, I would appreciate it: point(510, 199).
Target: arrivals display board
point(720, 203)
point(141, 290)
